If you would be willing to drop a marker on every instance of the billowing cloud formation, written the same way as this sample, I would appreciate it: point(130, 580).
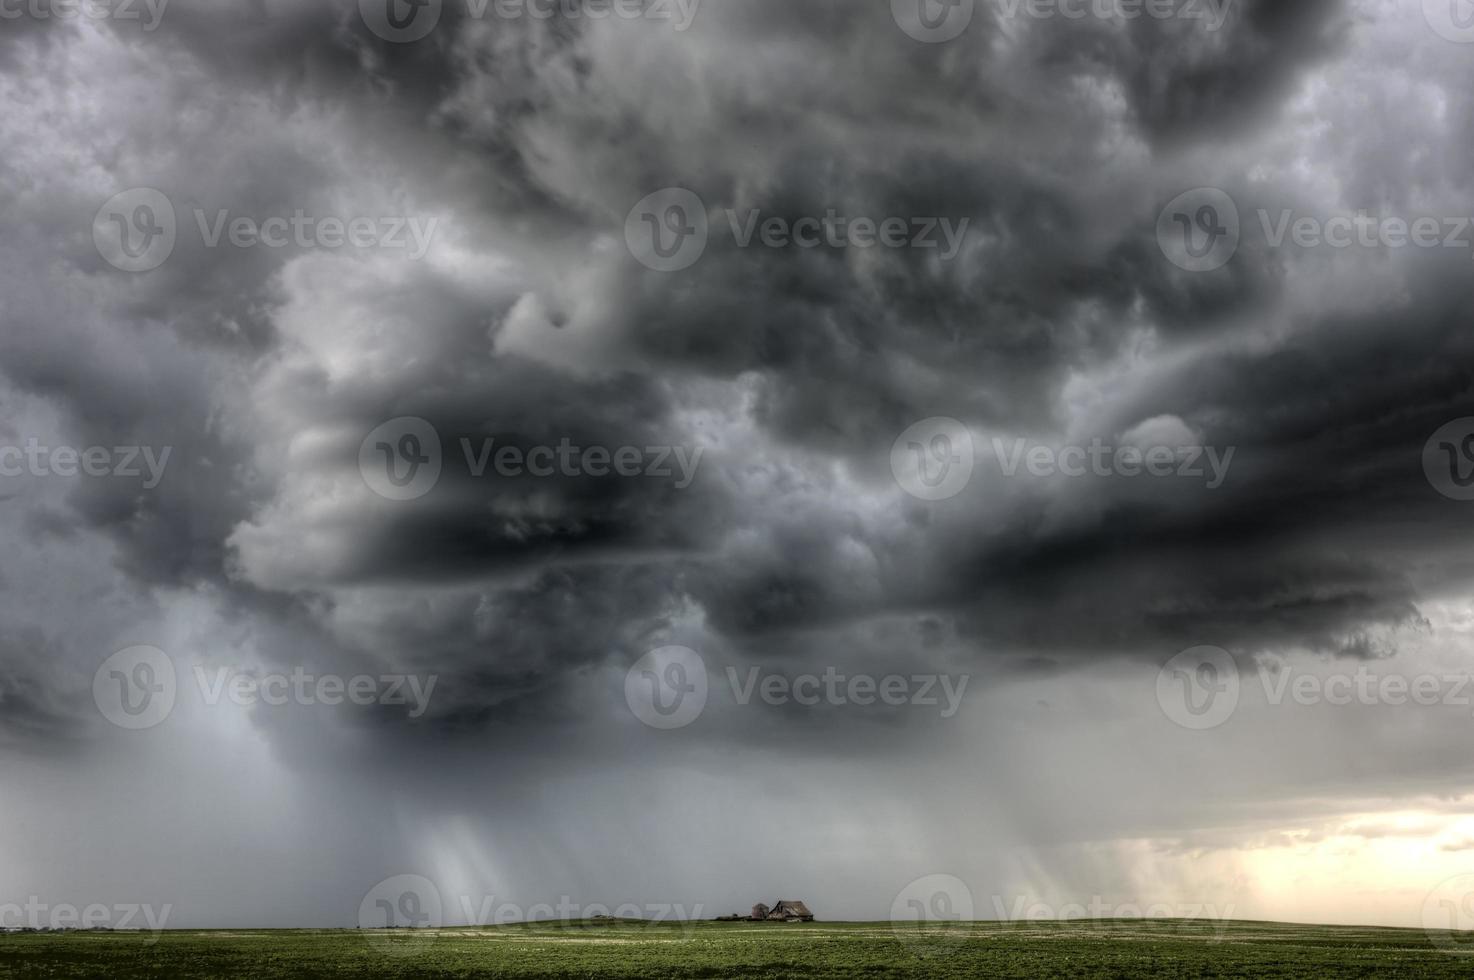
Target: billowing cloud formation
point(630, 458)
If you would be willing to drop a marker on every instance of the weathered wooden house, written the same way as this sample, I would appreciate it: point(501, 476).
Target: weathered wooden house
point(782, 911)
point(788, 911)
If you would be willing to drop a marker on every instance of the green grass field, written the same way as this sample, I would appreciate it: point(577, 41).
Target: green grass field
point(1125, 949)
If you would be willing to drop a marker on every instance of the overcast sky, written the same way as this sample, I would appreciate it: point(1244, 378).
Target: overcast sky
point(628, 393)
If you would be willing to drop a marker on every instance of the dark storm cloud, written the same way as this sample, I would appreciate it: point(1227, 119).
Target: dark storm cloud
point(1058, 141)
point(1186, 84)
point(1317, 535)
point(793, 549)
point(36, 707)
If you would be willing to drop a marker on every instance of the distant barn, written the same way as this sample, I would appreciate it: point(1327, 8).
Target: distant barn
point(786, 911)
point(781, 911)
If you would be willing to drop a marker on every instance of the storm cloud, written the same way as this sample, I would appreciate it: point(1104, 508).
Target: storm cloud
point(590, 456)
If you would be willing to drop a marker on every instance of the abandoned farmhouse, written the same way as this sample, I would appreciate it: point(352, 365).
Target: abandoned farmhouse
point(779, 911)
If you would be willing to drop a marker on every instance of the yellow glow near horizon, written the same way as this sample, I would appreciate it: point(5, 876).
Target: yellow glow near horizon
point(1369, 868)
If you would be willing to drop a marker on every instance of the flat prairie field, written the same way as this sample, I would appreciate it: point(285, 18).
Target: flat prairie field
point(1029, 951)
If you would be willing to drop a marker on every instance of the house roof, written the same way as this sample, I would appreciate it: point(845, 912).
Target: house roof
point(795, 908)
